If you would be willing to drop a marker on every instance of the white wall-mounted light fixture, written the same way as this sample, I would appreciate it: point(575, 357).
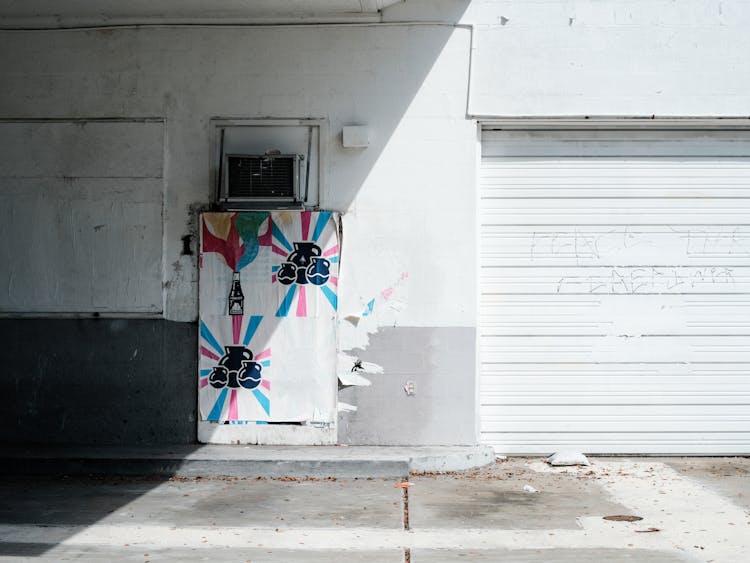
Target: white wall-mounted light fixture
point(355, 137)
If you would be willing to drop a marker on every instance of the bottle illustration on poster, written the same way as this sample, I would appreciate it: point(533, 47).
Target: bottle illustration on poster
point(236, 297)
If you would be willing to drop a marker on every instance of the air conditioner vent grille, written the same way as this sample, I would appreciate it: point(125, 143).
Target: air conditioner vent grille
point(266, 177)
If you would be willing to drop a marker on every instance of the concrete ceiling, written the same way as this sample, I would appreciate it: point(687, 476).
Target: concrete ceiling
point(57, 13)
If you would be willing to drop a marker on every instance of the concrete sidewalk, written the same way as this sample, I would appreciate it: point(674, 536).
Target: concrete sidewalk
point(241, 461)
point(691, 510)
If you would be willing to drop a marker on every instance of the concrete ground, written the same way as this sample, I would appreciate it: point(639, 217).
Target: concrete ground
point(692, 510)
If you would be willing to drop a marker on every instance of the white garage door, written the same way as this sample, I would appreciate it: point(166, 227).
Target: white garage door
point(615, 292)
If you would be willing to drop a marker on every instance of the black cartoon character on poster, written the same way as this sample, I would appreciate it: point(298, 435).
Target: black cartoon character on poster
point(236, 369)
point(304, 265)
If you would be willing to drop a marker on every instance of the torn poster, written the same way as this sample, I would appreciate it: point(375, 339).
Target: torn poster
point(282, 263)
point(268, 300)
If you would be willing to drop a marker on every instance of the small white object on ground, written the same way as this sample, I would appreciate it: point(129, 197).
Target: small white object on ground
point(529, 489)
point(567, 458)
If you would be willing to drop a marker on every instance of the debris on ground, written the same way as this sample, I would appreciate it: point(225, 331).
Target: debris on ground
point(529, 489)
point(623, 518)
point(567, 458)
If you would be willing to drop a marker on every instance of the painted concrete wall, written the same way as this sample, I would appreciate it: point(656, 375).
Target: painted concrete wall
point(408, 199)
point(97, 381)
point(437, 364)
point(593, 57)
point(407, 83)
point(81, 220)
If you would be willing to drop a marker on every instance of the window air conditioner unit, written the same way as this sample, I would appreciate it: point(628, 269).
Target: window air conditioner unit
point(249, 179)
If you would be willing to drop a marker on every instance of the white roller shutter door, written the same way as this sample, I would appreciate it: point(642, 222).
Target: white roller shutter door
point(615, 292)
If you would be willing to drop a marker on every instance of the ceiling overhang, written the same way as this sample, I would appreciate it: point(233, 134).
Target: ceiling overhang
point(72, 13)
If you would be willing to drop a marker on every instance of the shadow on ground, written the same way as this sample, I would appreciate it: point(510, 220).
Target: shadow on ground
point(63, 502)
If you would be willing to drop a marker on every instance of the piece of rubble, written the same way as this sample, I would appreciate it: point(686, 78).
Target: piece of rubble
point(567, 458)
point(529, 489)
point(622, 518)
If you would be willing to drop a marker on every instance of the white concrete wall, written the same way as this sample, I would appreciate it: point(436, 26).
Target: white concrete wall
point(409, 197)
point(409, 83)
point(594, 57)
point(81, 220)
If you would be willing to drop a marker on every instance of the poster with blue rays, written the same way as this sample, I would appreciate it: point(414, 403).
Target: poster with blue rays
point(268, 305)
point(305, 264)
point(285, 263)
point(265, 369)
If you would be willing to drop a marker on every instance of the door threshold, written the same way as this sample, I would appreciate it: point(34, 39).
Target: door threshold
point(292, 434)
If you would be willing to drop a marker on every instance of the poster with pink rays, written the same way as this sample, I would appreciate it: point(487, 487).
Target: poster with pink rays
point(305, 270)
point(264, 369)
point(268, 305)
point(282, 263)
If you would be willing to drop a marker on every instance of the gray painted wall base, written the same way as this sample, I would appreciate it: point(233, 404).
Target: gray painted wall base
point(132, 381)
point(442, 411)
point(98, 381)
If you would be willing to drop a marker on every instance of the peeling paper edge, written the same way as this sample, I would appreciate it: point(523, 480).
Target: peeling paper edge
point(346, 407)
point(357, 326)
point(348, 379)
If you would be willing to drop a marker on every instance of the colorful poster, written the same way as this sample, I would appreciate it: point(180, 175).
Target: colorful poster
point(305, 263)
point(268, 300)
